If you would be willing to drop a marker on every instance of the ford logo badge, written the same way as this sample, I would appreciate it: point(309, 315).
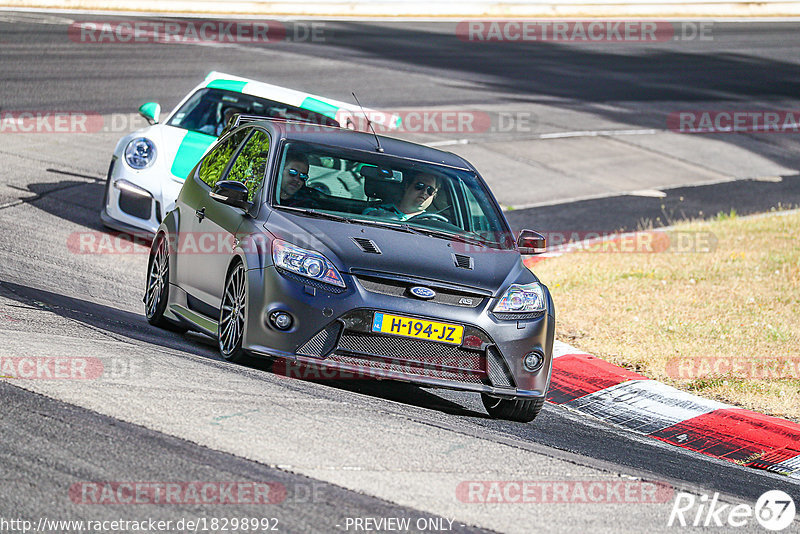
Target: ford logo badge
point(422, 292)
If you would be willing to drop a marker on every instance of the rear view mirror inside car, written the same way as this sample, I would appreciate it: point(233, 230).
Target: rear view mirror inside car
point(381, 173)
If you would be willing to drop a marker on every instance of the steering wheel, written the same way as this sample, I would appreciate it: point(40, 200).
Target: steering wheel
point(429, 217)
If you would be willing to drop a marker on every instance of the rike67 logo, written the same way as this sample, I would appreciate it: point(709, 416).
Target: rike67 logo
point(774, 510)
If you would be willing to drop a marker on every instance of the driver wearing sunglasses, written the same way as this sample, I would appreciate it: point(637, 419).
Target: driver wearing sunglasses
point(418, 194)
point(293, 178)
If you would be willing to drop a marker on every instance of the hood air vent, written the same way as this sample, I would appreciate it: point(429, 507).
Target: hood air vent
point(366, 245)
point(463, 262)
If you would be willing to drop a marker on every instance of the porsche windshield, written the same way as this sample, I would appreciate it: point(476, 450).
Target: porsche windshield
point(208, 110)
point(390, 191)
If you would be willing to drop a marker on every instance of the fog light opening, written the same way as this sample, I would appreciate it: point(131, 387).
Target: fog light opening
point(533, 361)
point(280, 320)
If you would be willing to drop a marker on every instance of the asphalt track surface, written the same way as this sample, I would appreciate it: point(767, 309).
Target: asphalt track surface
point(190, 416)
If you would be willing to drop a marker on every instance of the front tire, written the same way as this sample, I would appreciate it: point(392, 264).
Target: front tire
point(232, 315)
point(519, 410)
point(157, 288)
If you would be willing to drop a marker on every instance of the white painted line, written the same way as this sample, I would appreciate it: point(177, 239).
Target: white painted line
point(395, 18)
point(558, 135)
point(790, 467)
point(597, 133)
point(561, 349)
point(448, 142)
point(644, 406)
point(653, 193)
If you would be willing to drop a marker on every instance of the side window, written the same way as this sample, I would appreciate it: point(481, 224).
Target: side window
point(215, 162)
point(250, 165)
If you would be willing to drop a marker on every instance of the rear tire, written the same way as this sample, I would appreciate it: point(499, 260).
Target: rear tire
point(519, 410)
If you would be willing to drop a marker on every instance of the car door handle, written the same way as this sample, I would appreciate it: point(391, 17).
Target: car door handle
point(201, 214)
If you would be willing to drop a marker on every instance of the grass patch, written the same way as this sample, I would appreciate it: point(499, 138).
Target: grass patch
point(723, 324)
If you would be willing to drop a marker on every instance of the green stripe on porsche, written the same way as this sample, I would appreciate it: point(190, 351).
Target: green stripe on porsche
point(229, 85)
point(318, 106)
point(190, 151)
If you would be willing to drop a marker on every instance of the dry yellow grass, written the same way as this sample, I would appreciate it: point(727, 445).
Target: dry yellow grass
point(681, 317)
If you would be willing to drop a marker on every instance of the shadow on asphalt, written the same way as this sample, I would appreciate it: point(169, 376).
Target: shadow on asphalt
point(584, 76)
point(628, 212)
point(70, 200)
point(135, 326)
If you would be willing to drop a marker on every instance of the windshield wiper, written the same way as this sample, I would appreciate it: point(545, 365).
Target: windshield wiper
point(457, 237)
point(318, 214)
point(400, 227)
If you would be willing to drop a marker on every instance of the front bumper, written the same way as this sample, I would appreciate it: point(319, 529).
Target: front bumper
point(333, 331)
point(130, 211)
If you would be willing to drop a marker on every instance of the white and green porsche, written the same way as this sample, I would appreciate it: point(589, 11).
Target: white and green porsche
point(149, 166)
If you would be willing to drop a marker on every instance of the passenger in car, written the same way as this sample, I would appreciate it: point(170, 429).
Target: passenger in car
point(418, 194)
point(293, 180)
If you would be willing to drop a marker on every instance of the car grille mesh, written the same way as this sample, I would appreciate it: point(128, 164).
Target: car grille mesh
point(498, 370)
point(322, 343)
point(412, 350)
point(402, 370)
point(366, 245)
point(462, 261)
point(399, 288)
point(135, 205)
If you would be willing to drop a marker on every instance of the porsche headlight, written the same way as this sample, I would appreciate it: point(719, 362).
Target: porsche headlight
point(140, 153)
point(521, 299)
point(305, 263)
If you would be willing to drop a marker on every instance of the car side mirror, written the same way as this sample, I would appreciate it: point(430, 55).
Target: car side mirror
point(232, 193)
point(530, 242)
point(150, 111)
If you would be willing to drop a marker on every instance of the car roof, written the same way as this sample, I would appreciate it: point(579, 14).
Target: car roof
point(334, 109)
point(355, 140)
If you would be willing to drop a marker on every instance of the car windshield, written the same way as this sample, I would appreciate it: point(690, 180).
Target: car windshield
point(379, 189)
point(208, 110)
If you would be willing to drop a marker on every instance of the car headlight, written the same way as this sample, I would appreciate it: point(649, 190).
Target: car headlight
point(521, 299)
point(305, 263)
point(140, 153)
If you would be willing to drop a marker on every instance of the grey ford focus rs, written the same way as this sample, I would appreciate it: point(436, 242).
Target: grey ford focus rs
point(363, 254)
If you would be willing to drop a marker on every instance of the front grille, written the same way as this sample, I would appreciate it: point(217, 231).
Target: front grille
point(357, 345)
point(402, 370)
point(399, 288)
point(136, 205)
point(413, 351)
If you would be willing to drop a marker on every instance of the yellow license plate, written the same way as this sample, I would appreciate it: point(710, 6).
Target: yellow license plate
point(417, 328)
